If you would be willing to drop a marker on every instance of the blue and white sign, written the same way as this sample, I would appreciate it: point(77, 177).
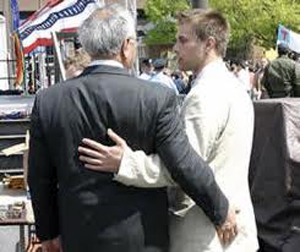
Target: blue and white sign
point(288, 37)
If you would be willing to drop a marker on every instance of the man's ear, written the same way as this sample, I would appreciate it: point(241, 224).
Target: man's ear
point(125, 49)
point(210, 44)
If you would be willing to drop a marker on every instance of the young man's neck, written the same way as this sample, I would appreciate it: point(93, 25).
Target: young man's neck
point(209, 59)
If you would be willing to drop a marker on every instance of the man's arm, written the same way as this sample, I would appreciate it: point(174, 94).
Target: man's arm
point(205, 121)
point(203, 128)
point(42, 181)
point(186, 168)
point(192, 174)
point(138, 169)
point(132, 168)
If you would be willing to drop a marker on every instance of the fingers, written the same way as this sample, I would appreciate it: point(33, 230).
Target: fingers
point(229, 235)
point(90, 161)
point(90, 152)
point(220, 234)
point(94, 145)
point(226, 236)
point(100, 167)
point(97, 156)
point(116, 138)
point(97, 168)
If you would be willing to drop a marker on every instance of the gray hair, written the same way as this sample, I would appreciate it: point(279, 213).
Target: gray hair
point(103, 33)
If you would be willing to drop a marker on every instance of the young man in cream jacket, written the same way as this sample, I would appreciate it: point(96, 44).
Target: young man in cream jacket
point(219, 122)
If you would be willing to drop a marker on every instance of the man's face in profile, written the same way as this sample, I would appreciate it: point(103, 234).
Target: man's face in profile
point(190, 50)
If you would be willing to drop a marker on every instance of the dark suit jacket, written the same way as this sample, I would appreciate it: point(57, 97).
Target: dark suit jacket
point(89, 209)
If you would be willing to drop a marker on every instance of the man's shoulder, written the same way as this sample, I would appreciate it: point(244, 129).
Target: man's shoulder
point(54, 93)
point(282, 60)
point(152, 88)
point(52, 89)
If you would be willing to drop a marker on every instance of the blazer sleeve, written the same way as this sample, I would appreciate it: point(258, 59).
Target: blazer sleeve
point(205, 121)
point(138, 169)
point(188, 169)
point(42, 180)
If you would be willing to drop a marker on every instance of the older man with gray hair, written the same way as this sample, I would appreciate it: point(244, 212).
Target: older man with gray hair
point(88, 210)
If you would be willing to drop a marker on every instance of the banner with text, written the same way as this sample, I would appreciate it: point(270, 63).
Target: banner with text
point(288, 37)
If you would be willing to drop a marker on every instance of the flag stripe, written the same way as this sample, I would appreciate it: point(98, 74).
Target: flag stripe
point(54, 17)
point(45, 41)
point(65, 15)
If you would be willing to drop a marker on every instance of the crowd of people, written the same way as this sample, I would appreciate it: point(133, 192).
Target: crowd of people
point(253, 76)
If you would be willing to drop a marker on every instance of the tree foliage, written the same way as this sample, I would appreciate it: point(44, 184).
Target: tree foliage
point(258, 19)
point(163, 33)
point(249, 19)
point(162, 13)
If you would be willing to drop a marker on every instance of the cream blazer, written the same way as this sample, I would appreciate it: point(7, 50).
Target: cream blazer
point(219, 122)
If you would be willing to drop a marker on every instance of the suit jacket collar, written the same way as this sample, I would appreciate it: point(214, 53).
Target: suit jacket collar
point(104, 69)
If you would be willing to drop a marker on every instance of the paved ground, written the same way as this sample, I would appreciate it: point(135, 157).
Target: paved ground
point(9, 236)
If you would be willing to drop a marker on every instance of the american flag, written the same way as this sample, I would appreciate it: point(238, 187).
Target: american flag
point(55, 15)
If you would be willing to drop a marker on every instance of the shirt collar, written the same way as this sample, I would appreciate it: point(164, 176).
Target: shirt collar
point(113, 63)
point(212, 66)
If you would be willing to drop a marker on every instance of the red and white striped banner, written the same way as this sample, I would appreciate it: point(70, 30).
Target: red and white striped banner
point(56, 15)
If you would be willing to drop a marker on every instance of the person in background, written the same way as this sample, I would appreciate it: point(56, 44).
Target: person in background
point(219, 121)
point(296, 58)
point(76, 64)
point(89, 211)
point(259, 91)
point(160, 77)
point(146, 68)
point(234, 67)
point(282, 76)
point(243, 75)
point(179, 81)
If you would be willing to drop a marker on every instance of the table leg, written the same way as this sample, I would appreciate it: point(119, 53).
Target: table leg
point(22, 238)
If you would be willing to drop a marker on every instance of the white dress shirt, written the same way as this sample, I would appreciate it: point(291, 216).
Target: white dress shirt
point(145, 76)
point(219, 122)
point(110, 62)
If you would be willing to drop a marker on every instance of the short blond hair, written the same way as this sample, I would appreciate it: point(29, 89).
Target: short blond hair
point(208, 23)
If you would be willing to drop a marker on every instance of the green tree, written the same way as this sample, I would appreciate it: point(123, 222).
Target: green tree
point(251, 20)
point(258, 19)
point(162, 14)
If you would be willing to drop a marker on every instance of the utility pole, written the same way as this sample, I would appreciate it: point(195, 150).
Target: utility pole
point(201, 4)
